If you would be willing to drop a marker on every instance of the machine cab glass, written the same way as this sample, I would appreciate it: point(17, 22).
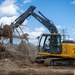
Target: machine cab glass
point(48, 42)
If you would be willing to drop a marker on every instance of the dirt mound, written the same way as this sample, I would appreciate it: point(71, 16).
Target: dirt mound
point(12, 53)
point(7, 64)
point(22, 55)
point(22, 51)
point(28, 50)
point(23, 47)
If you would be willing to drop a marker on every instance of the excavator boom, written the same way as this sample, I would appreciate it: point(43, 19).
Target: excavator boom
point(47, 23)
point(42, 19)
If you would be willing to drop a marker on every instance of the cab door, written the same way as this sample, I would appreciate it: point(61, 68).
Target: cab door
point(55, 44)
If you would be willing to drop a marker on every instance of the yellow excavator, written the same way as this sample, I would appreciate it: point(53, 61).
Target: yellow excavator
point(51, 50)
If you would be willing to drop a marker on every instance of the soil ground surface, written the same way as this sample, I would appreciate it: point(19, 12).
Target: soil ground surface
point(19, 60)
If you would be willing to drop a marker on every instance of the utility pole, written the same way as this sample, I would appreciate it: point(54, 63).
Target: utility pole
point(63, 34)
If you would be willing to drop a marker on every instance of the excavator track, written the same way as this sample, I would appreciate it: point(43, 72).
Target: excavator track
point(55, 61)
point(59, 62)
point(40, 59)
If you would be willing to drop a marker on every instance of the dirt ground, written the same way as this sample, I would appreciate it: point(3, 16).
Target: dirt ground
point(19, 60)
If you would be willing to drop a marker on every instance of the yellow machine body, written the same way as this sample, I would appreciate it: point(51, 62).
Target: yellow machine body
point(68, 51)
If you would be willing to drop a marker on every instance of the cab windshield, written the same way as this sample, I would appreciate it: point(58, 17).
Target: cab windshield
point(49, 40)
point(55, 40)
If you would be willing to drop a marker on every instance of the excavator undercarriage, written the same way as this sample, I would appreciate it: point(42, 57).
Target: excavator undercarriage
point(55, 61)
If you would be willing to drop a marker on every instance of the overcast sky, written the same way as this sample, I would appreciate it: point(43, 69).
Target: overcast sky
point(61, 12)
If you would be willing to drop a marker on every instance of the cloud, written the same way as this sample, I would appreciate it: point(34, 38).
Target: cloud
point(27, 1)
point(37, 32)
point(40, 29)
point(58, 27)
point(9, 8)
point(7, 20)
point(73, 2)
point(32, 34)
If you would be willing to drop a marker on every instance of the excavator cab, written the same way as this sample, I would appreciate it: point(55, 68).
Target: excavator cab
point(50, 43)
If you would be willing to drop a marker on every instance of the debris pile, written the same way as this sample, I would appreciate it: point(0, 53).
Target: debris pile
point(22, 51)
point(29, 51)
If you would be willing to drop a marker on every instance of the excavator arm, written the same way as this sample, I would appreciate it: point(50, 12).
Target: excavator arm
point(42, 19)
point(47, 23)
point(22, 17)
